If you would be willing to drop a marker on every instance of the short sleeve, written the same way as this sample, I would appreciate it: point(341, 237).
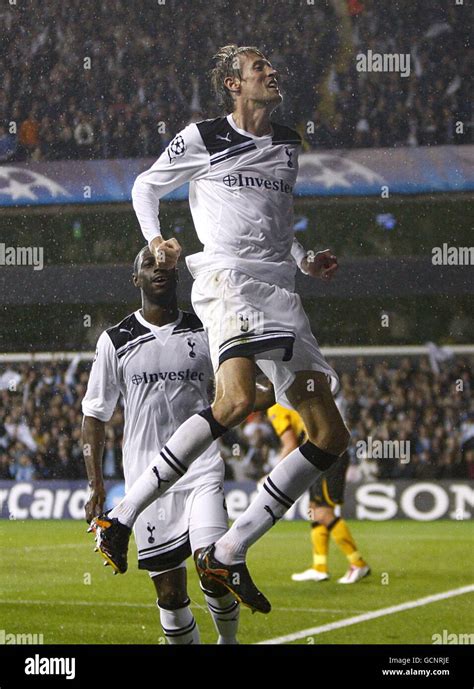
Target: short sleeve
point(103, 388)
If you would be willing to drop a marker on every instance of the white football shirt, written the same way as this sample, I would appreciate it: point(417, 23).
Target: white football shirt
point(240, 195)
point(163, 374)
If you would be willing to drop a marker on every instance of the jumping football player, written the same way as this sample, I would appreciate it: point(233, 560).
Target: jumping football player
point(242, 168)
point(326, 493)
point(158, 358)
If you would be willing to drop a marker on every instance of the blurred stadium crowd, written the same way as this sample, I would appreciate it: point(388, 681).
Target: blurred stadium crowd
point(149, 65)
point(40, 423)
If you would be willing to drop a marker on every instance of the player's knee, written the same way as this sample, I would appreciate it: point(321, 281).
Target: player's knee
point(241, 408)
point(332, 439)
point(341, 440)
point(231, 412)
point(172, 600)
point(323, 515)
point(171, 589)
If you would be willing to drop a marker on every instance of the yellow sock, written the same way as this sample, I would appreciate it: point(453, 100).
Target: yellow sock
point(343, 539)
point(320, 541)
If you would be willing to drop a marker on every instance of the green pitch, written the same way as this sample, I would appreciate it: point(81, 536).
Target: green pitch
point(51, 583)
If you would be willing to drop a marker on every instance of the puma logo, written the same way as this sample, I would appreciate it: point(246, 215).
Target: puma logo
point(224, 138)
point(160, 480)
point(274, 519)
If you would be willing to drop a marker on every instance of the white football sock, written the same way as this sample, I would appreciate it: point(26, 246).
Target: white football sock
point(179, 626)
point(286, 482)
point(185, 445)
point(225, 612)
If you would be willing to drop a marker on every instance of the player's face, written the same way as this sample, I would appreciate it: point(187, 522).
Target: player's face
point(259, 81)
point(157, 283)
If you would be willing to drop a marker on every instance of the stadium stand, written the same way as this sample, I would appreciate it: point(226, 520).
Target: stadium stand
point(40, 421)
point(147, 76)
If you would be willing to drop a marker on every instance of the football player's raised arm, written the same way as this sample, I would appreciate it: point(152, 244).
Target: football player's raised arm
point(185, 159)
point(98, 406)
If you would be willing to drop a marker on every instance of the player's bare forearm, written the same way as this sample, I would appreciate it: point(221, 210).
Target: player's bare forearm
point(93, 443)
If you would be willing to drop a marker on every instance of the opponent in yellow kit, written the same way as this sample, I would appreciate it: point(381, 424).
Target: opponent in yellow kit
point(325, 494)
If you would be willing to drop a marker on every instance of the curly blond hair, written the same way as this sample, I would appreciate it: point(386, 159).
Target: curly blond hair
point(227, 64)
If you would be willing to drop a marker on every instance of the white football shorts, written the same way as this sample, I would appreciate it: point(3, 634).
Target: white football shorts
point(244, 316)
point(173, 527)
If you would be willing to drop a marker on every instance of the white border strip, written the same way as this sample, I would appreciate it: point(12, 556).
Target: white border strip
point(409, 605)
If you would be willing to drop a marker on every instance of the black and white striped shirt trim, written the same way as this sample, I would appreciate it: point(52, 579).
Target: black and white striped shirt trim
point(134, 343)
point(232, 152)
point(295, 142)
point(187, 330)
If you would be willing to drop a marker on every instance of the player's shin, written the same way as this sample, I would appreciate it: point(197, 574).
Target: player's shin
point(179, 625)
point(225, 612)
point(320, 543)
point(282, 487)
point(191, 439)
point(342, 536)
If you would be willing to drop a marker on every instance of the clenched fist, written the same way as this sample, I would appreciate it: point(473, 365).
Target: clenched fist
point(322, 264)
point(166, 252)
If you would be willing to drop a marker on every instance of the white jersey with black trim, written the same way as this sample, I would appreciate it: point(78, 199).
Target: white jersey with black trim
point(240, 195)
point(163, 374)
